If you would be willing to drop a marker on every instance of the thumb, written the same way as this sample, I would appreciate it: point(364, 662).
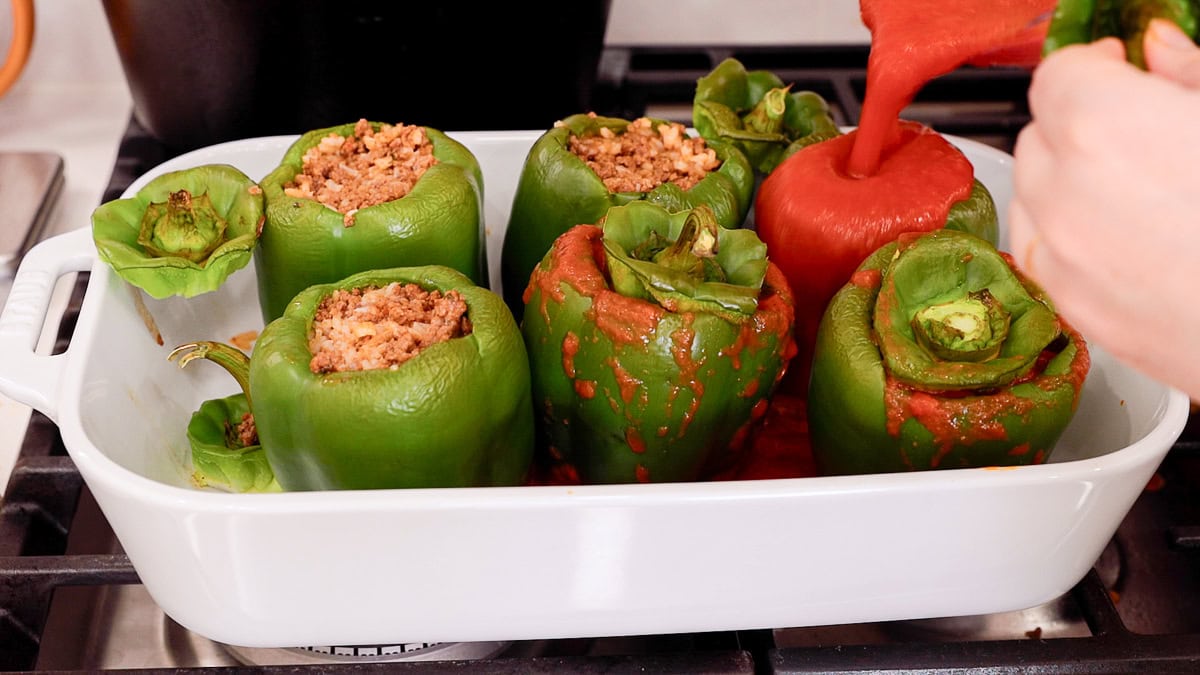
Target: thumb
point(1170, 53)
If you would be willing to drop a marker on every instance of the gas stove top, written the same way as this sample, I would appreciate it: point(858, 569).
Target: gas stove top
point(71, 601)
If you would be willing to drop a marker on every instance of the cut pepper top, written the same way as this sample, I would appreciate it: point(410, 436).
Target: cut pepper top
point(944, 311)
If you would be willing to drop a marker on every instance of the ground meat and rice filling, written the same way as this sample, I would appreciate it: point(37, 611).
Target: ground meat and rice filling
point(246, 432)
point(382, 327)
point(645, 156)
point(368, 168)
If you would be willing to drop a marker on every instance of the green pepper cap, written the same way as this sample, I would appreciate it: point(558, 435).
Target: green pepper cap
point(183, 233)
point(219, 459)
point(758, 113)
point(684, 261)
point(951, 314)
point(186, 226)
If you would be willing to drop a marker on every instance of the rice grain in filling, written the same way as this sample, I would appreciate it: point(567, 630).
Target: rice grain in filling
point(645, 156)
point(367, 168)
point(382, 327)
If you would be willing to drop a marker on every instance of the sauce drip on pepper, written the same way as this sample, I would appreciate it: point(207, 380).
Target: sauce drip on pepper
point(913, 41)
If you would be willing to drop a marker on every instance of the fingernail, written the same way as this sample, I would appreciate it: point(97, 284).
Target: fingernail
point(1168, 33)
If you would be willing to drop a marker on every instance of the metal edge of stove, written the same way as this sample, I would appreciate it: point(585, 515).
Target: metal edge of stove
point(30, 184)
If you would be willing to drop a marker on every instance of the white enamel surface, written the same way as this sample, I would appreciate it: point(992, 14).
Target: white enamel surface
point(545, 562)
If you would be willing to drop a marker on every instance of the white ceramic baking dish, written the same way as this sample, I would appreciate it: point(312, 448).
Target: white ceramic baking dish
point(546, 562)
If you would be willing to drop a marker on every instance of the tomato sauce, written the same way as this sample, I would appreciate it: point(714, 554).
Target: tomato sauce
point(914, 41)
point(821, 241)
point(570, 347)
point(820, 244)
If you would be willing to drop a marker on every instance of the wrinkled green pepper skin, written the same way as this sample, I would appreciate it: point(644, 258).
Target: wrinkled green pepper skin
point(1079, 21)
point(304, 242)
point(458, 414)
point(862, 419)
point(628, 391)
point(727, 95)
point(557, 190)
point(234, 196)
point(219, 461)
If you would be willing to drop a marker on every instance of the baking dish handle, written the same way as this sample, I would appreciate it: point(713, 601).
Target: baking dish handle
point(25, 375)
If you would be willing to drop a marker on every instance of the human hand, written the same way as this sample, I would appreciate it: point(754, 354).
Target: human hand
point(1105, 213)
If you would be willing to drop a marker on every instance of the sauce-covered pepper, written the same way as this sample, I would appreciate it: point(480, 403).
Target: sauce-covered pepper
point(938, 353)
point(654, 342)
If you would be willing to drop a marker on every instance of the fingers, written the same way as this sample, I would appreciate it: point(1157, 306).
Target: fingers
point(1034, 173)
point(1170, 53)
point(1075, 80)
point(1023, 238)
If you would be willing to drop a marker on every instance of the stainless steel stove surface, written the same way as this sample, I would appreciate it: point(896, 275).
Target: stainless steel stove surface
point(70, 600)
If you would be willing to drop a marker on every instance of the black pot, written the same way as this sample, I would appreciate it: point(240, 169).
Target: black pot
point(205, 71)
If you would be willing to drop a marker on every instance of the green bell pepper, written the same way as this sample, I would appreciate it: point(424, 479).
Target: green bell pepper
point(457, 414)
point(654, 341)
point(557, 190)
point(939, 354)
point(183, 233)
point(304, 242)
point(755, 111)
point(1079, 21)
point(220, 459)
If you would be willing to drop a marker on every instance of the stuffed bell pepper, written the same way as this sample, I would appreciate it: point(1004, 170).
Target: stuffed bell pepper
point(586, 164)
point(655, 340)
point(368, 196)
point(820, 224)
point(939, 354)
point(183, 233)
point(757, 112)
point(406, 377)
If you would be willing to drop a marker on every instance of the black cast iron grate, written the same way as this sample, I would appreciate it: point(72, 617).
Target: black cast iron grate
point(1156, 630)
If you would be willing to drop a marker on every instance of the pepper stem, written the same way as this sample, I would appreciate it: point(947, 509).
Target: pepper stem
point(695, 251)
point(185, 226)
point(233, 360)
point(972, 328)
point(767, 115)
